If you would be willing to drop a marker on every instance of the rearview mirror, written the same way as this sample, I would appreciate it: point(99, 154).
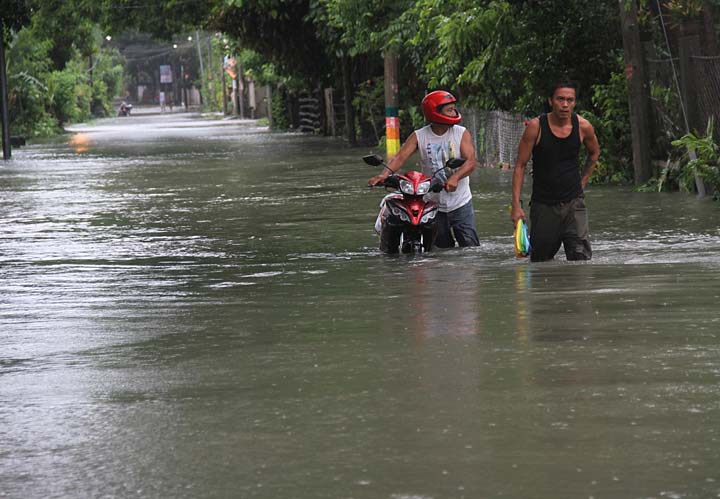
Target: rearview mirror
point(373, 160)
point(454, 163)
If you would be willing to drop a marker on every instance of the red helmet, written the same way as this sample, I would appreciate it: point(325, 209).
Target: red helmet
point(432, 103)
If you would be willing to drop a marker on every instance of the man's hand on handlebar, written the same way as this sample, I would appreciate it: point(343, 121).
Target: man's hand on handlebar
point(377, 179)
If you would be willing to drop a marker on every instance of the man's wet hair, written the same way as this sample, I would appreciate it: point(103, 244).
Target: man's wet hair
point(564, 84)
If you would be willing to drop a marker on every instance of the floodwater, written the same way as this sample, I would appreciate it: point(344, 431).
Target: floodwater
point(196, 308)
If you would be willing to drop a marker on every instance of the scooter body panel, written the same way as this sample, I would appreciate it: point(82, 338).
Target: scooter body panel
point(412, 216)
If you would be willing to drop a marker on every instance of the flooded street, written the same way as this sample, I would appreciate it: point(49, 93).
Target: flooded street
point(192, 307)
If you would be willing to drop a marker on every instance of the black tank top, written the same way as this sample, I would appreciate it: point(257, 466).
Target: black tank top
point(556, 168)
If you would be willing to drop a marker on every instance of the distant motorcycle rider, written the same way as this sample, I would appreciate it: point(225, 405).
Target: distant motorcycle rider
point(437, 142)
point(124, 109)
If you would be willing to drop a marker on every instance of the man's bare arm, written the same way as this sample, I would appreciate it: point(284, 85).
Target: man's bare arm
point(407, 149)
point(593, 150)
point(467, 151)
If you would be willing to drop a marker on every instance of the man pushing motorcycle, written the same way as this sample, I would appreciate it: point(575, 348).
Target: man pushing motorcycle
point(437, 142)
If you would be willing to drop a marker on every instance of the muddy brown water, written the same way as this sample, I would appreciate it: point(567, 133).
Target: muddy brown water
point(192, 307)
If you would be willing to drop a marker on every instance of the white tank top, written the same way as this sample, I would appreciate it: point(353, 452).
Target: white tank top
point(434, 151)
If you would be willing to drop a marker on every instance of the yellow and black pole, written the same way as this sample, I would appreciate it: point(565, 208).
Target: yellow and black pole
point(392, 119)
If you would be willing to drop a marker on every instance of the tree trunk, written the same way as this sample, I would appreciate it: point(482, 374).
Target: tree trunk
point(638, 94)
point(348, 96)
point(5, 115)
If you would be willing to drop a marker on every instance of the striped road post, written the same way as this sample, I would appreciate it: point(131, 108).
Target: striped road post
point(392, 131)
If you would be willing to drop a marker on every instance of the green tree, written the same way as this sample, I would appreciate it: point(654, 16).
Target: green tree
point(28, 64)
point(502, 54)
point(278, 30)
point(611, 120)
point(162, 18)
point(356, 27)
point(14, 15)
point(43, 97)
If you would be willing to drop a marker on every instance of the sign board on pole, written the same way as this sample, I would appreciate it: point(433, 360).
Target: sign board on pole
point(166, 74)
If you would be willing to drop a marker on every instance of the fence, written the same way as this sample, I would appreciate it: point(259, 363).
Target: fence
point(682, 70)
point(666, 111)
point(707, 85)
point(496, 135)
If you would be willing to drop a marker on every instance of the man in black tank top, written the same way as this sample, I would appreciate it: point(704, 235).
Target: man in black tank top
point(558, 214)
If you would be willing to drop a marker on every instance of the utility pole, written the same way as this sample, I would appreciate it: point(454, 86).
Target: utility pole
point(5, 115)
point(183, 90)
point(211, 94)
point(202, 71)
point(392, 119)
point(240, 81)
point(92, 82)
point(224, 85)
point(199, 51)
point(269, 97)
point(638, 95)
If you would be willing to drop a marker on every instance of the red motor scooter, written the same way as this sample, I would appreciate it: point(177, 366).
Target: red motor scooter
point(406, 221)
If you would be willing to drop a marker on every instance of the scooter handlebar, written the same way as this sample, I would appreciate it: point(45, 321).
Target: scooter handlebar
point(437, 186)
point(391, 181)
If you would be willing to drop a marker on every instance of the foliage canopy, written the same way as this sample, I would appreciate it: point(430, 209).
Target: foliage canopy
point(494, 54)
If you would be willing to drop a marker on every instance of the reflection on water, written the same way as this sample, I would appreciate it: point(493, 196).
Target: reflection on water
point(522, 301)
point(80, 143)
point(197, 308)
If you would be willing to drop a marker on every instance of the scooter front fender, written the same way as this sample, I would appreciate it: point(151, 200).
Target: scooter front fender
point(414, 211)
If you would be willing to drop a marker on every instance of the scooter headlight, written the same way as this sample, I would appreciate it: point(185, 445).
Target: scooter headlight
point(423, 187)
point(407, 187)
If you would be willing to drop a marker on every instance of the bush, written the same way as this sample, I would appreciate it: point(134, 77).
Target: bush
point(42, 100)
point(61, 91)
point(108, 75)
point(611, 120)
point(280, 113)
point(700, 157)
point(27, 103)
point(369, 104)
point(28, 62)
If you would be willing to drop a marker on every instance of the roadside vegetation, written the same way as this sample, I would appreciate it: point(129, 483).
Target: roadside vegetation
point(494, 54)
